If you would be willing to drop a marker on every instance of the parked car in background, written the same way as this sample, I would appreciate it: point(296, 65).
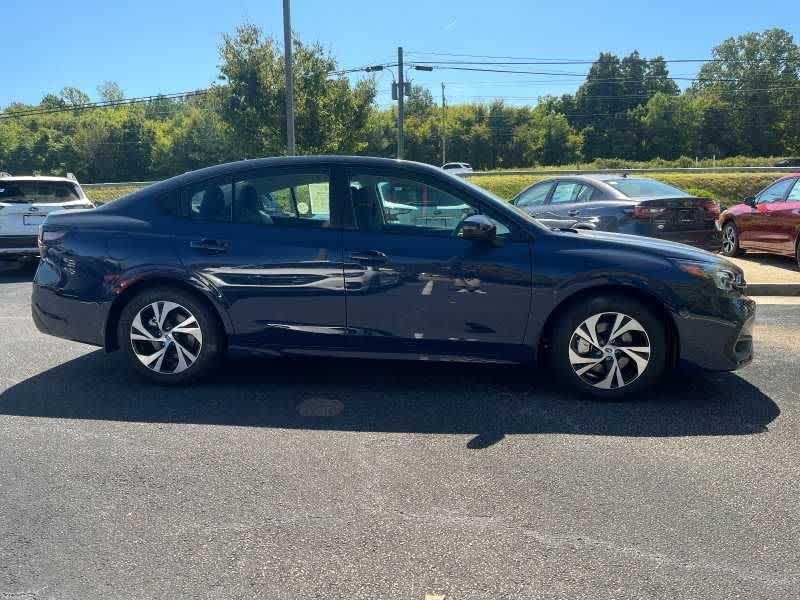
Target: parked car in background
point(633, 205)
point(176, 274)
point(788, 162)
point(457, 168)
point(768, 222)
point(25, 201)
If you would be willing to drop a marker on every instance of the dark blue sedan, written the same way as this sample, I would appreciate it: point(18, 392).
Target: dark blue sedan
point(349, 256)
point(635, 205)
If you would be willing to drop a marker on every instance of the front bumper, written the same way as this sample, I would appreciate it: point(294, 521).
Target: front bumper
point(722, 341)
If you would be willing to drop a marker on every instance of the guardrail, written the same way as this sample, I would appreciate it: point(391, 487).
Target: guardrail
point(620, 171)
point(117, 184)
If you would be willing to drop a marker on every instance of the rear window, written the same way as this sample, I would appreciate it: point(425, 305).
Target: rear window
point(639, 188)
point(39, 192)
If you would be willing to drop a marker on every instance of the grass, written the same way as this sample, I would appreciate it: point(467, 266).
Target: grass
point(726, 188)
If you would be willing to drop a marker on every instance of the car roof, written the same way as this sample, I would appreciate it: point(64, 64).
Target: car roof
point(299, 161)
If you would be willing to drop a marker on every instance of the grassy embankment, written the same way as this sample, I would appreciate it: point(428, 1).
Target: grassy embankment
point(725, 188)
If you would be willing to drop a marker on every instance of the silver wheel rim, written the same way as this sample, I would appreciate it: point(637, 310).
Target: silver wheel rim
point(166, 337)
point(609, 350)
point(728, 239)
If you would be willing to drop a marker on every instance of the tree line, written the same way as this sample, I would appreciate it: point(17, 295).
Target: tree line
point(742, 102)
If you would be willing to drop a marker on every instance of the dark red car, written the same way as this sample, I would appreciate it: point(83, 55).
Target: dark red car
point(770, 222)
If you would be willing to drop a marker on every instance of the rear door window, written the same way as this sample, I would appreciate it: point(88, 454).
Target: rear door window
point(534, 196)
point(290, 200)
point(566, 192)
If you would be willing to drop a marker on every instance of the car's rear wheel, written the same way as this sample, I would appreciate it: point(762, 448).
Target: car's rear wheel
point(169, 336)
point(730, 240)
point(797, 252)
point(611, 347)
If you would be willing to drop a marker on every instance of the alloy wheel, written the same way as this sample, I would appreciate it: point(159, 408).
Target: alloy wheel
point(166, 337)
point(609, 350)
point(729, 239)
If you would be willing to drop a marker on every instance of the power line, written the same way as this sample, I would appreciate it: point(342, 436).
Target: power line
point(102, 104)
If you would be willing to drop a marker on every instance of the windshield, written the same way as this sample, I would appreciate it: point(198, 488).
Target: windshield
point(38, 192)
point(639, 188)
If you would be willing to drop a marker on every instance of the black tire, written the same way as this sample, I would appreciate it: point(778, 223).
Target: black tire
point(733, 248)
point(210, 346)
point(653, 327)
point(797, 252)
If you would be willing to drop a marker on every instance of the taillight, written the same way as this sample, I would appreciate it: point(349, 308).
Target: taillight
point(711, 209)
point(48, 237)
point(647, 212)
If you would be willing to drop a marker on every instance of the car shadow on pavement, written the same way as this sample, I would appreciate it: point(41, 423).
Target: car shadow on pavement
point(489, 402)
point(16, 272)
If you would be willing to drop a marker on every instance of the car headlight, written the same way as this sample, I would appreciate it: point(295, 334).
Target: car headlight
point(724, 278)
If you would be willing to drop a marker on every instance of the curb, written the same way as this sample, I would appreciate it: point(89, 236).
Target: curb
point(773, 289)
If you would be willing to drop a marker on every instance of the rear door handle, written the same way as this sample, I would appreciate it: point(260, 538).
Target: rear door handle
point(574, 212)
point(210, 246)
point(369, 257)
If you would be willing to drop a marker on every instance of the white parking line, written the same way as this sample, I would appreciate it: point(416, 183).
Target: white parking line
point(776, 299)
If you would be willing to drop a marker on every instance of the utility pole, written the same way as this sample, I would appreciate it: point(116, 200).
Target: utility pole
point(287, 53)
point(401, 92)
point(444, 126)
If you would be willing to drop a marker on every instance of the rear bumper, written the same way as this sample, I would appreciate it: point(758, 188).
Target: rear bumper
point(18, 246)
point(707, 239)
point(69, 318)
point(723, 342)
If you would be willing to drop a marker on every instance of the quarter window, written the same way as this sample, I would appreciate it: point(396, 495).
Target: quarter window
point(210, 201)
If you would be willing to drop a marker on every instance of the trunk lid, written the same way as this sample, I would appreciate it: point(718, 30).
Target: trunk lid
point(678, 214)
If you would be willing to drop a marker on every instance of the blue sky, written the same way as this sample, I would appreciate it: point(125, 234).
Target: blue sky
point(150, 46)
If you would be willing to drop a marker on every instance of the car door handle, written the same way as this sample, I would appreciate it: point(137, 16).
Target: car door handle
point(574, 212)
point(369, 257)
point(210, 246)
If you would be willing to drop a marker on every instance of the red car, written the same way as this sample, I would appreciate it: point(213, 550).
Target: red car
point(770, 222)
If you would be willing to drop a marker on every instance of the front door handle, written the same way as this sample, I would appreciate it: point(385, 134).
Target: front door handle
point(574, 212)
point(210, 246)
point(369, 257)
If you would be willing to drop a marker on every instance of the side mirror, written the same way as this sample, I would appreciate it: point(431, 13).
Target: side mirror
point(479, 228)
point(750, 201)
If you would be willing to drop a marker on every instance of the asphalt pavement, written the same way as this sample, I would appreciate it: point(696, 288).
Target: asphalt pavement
point(370, 479)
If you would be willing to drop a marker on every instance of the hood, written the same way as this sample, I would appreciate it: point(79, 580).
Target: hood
point(652, 246)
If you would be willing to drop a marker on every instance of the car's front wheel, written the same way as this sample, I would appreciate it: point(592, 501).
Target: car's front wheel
point(610, 347)
point(169, 336)
point(730, 240)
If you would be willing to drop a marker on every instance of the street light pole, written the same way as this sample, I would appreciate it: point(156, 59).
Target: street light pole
point(444, 126)
point(401, 92)
point(287, 53)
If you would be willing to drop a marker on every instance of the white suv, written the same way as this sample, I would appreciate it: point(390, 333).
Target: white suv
point(25, 201)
